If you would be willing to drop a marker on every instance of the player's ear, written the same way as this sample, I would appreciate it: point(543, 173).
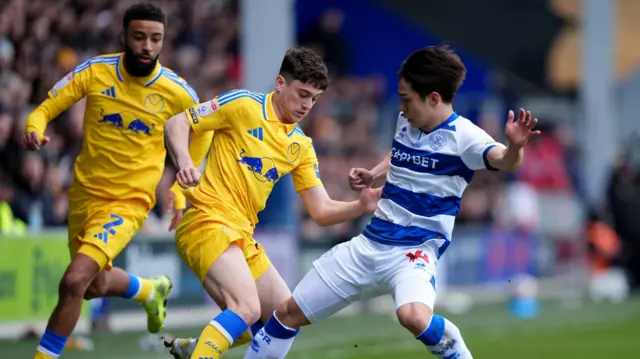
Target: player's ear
point(434, 99)
point(280, 83)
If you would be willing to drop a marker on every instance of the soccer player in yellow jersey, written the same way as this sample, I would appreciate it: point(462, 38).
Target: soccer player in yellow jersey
point(257, 142)
point(129, 96)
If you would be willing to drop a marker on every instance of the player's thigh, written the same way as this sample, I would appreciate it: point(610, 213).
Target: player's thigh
point(109, 228)
point(338, 278)
point(411, 275)
point(347, 269)
point(200, 241)
point(79, 202)
point(229, 278)
point(272, 291)
point(316, 299)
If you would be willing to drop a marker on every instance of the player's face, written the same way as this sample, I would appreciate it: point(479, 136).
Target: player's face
point(416, 110)
point(298, 99)
point(143, 43)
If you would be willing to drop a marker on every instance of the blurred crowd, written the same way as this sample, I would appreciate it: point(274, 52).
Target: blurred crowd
point(352, 124)
point(41, 41)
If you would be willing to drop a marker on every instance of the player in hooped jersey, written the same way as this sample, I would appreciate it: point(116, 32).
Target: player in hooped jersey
point(434, 155)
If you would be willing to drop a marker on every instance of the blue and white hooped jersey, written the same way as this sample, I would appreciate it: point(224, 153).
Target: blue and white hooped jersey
point(429, 171)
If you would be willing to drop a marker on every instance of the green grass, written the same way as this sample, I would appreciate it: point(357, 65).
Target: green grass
point(592, 331)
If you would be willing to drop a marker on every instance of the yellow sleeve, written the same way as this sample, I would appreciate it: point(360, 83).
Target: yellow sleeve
point(210, 116)
point(198, 147)
point(307, 174)
point(69, 90)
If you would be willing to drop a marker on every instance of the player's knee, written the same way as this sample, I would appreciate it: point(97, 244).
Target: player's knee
point(96, 290)
point(247, 308)
point(74, 284)
point(415, 317)
point(290, 314)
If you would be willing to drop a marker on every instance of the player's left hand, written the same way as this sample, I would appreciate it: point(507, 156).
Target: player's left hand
point(369, 198)
point(518, 132)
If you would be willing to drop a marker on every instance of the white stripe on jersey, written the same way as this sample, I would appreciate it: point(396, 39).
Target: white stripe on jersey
point(441, 186)
point(391, 212)
point(428, 174)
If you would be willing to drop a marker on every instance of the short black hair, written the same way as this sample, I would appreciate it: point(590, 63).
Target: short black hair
point(434, 69)
point(306, 66)
point(143, 11)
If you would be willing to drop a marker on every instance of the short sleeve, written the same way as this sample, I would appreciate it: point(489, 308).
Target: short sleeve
point(208, 116)
point(307, 174)
point(477, 144)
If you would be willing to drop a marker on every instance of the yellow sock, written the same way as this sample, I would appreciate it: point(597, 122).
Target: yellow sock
point(212, 343)
point(41, 355)
point(245, 338)
point(140, 289)
point(146, 290)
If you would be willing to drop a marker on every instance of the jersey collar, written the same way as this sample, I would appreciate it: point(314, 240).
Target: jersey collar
point(146, 80)
point(267, 108)
point(446, 125)
point(270, 114)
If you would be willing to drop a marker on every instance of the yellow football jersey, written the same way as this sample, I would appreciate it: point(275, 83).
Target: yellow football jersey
point(123, 152)
point(250, 152)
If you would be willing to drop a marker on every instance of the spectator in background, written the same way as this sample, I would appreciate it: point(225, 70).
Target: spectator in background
point(606, 280)
point(546, 167)
point(624, 202)
point(326, 39)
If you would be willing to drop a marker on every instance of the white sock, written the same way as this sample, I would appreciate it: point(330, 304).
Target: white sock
point(444, 340)
point(273, 341)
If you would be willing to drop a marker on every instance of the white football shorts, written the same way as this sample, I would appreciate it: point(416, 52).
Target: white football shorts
point(361, 269)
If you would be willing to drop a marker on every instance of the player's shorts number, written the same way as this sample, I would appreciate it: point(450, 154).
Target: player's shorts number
point(110, 227)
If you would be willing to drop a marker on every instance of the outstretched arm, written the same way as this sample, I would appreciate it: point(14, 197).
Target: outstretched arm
point(518, 133)
point(326, 211)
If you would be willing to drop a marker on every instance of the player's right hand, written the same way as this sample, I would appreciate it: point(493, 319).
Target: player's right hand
point(32, 142)
point(188, 176)
point(360, 178)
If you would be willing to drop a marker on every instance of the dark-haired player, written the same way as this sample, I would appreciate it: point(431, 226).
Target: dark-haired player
point(433, 157)
point(257, 142)
point(129, 96)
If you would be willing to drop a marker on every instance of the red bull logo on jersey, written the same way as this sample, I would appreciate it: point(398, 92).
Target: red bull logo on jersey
point(134, 124)
point(263, 168)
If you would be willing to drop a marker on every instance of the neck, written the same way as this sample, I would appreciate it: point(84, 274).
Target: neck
point(439, 117)
point(277, 108)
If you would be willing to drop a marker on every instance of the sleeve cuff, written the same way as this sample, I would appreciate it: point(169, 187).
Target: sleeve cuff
point(486, 159)
point(179, 201)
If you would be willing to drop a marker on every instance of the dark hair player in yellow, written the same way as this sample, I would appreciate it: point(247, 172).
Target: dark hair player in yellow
point(257, 142)
point(129, 96)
